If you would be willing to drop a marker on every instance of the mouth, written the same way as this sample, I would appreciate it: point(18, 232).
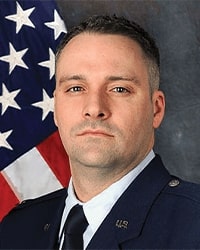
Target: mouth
point(96, 133)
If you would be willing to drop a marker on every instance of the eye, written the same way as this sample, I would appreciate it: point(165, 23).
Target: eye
point(75, 89)
point(120, 90)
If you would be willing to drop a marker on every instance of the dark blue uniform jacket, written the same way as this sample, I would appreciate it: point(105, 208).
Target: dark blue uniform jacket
point(157, 211)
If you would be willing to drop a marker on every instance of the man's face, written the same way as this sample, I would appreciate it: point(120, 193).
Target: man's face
point(103, 108)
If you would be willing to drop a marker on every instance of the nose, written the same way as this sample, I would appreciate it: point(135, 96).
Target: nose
point(96, 106)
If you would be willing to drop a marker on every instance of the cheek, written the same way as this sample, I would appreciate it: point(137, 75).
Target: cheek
point(61, 115)
point(137, 121)
point(62, 107)
point(67, 118)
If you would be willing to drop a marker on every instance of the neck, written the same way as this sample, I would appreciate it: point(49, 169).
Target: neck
point(89, 182)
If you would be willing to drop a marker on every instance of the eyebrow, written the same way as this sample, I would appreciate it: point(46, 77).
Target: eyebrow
point(111, 78)
point(133, 79)
point(71, 78)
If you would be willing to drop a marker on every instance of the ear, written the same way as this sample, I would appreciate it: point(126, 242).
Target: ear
point(54, 113)
point(159, 107)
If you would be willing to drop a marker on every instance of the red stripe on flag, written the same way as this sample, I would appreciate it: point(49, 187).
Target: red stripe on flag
point(54, 154)
point(8, 200)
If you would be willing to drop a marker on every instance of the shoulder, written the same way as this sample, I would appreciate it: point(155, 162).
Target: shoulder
point(50, 197)
point(174, 187)
point(51, 200)
point(183, 189)
point(34, 220)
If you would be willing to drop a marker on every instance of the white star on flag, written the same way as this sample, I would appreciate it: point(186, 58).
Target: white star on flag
point(21, 18)
point(50, 63)
point(3, 139)
point(58, 25)
point(14, 58)
point(7, 99)
point(47, 105)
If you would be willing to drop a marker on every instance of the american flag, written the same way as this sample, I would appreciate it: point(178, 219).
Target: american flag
point(32, 159)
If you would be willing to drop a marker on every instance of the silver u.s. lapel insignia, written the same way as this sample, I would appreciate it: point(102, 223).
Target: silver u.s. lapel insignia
point(122, 224)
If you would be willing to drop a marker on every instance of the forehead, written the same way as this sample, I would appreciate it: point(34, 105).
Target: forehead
point(97, 52)
point(97, 40)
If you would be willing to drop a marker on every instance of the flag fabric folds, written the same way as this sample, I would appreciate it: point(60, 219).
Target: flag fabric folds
point(32, 159)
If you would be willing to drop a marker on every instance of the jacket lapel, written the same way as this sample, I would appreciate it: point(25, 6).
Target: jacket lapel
point(127, 217)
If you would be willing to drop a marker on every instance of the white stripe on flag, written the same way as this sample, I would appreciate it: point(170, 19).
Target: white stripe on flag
point(30, 176)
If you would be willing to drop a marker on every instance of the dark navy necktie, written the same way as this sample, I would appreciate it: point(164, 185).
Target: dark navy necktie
point(75, 225)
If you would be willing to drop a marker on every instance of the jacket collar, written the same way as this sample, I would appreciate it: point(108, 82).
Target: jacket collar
point(127, 217)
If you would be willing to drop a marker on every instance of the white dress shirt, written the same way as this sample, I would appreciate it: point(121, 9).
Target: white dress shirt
point(99, 206)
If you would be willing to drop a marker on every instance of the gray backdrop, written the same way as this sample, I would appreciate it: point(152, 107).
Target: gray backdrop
point(176, 26)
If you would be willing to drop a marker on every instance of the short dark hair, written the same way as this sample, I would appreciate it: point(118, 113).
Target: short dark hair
point(121, 26)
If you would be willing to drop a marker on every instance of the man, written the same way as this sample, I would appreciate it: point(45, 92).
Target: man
point(107, 106)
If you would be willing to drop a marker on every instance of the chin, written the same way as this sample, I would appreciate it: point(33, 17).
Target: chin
point(95, 161)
